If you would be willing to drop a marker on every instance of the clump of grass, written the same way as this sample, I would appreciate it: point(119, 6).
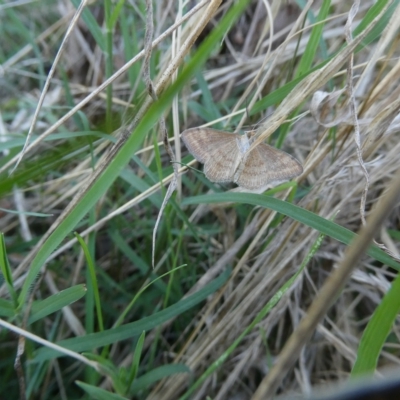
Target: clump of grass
point(235, 273)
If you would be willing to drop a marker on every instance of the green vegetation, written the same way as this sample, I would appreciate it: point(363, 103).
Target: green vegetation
point(84, 170)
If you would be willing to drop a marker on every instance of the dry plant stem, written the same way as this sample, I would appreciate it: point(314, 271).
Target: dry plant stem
point(353, 110)
point(175, 45)
point(310, 84)
point(96, 91)
point(379, 125)
point(259, 73)
point(356, 125)
point(382, 122)
point(328, 292)
point(49, 77)
point(153, 95)
point(271, 68)
point(18, 367)
point(389, 35)
point(148, 48)
point(207, 15)
point(48, 344)
point(253, 28)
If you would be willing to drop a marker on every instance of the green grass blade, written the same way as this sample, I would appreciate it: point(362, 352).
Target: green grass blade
point(157, 374)
point(98, 393)
point(93, 280)
point(6, 270)
point(369, 17)
point(377, 331)
point(132, 329)
point(6, 309)
point(208, 109)
point(115, 15)
point(136, 360)
point(56, 302)
point(314, 41)
point(306, 217)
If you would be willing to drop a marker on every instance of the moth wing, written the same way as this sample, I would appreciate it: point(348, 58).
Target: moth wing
point(266, 165)
point(217, 150)
point(202, 142)
point(223, 161)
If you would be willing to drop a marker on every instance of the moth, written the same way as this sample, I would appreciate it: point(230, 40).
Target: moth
point(226, 159)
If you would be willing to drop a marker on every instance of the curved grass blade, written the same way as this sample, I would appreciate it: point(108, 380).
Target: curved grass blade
point(377, 331)
point(306, 217)
point(132, 329)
